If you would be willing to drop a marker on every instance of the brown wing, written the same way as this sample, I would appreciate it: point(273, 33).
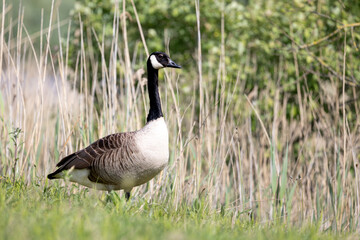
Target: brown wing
point(100, 151)
point(110, 166)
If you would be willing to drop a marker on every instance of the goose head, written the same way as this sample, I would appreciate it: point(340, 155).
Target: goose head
point(160, 60)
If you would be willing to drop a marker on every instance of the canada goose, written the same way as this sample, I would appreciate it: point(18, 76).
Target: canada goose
point(129, 159)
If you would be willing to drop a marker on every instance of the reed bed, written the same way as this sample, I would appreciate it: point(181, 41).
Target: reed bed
point(226, 154)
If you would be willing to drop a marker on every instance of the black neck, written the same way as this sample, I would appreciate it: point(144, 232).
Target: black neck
point(155, 104)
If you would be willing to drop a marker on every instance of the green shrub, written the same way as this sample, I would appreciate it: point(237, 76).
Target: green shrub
point(262, 40)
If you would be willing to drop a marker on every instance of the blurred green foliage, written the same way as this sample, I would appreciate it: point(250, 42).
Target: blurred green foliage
point(264, 40)
point(32, 12)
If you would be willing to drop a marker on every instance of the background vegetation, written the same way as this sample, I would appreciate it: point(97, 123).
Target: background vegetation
point(263, 117)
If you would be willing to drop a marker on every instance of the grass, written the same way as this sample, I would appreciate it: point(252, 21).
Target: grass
point(54, 212)
point(233, 172)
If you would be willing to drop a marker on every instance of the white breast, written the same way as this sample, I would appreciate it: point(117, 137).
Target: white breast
point(153, 142)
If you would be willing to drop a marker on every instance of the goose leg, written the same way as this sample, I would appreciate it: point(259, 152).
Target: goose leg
point(127, 196)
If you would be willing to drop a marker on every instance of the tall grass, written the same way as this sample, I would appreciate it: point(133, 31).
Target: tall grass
point(222, 161)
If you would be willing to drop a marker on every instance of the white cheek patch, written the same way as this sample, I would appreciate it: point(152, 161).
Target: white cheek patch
point(154, 62)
